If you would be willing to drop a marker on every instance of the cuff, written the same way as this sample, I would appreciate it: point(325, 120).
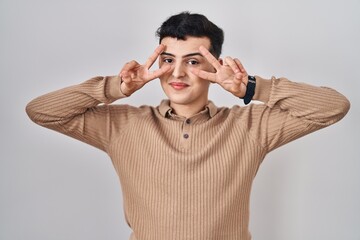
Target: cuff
point(113, 90)
point(262, 90)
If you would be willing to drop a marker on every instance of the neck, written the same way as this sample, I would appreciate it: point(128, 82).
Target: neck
point(188, 110)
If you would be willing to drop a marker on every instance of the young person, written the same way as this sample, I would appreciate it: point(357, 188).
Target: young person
point(186, 167)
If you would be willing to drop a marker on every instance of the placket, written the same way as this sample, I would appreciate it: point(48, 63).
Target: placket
point(186, 134)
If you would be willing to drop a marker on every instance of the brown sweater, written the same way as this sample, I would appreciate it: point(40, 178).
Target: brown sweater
point(190, 178)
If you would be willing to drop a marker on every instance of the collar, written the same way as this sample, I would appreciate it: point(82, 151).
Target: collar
point(166, 111)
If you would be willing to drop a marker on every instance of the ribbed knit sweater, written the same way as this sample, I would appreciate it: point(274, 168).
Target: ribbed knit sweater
point(187, 179)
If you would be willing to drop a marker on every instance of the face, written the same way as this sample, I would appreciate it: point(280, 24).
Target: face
point(179, 84)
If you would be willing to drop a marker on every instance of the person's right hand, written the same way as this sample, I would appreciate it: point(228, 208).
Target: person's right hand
point(134, 75)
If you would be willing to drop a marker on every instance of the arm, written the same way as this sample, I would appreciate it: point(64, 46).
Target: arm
point(82, 111)
point(290, 109)
point(75, 110)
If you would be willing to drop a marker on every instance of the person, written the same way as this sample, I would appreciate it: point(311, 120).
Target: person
point(186, 167)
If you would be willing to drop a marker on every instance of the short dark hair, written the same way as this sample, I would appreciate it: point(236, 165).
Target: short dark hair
point(195, 25)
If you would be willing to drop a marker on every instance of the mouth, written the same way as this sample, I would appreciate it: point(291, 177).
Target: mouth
point(179, 85)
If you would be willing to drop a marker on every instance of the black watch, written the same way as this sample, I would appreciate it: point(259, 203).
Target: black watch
point(250, 90)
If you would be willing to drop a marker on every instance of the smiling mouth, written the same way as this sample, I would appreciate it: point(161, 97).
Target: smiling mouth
point(178, 85)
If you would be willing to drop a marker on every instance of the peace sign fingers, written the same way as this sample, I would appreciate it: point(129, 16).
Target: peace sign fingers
point(150, 61)
point(212, 60)
point(204, 74)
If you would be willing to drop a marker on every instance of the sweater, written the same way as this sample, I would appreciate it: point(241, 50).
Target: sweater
point(187, 179)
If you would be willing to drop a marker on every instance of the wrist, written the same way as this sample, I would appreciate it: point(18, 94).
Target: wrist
point(123, 89)
point(250, 89)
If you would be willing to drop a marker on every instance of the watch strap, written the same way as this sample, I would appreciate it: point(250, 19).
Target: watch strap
point(250, 89)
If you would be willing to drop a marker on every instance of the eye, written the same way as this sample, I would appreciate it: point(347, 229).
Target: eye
point(193, 62)
point(167, 60)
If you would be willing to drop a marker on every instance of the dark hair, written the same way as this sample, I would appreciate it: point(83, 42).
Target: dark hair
point(196, 25)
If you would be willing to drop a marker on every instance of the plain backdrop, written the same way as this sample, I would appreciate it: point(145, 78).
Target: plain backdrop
point(55, 188)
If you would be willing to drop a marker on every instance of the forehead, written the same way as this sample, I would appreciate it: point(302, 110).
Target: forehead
point(182, 47)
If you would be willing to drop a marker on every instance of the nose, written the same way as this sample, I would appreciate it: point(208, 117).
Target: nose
point(179, 70)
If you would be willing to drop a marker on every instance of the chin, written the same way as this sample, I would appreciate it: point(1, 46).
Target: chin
point(181, 100)
point(176, 97)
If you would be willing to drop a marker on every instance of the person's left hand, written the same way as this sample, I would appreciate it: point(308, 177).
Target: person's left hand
point(230, 75)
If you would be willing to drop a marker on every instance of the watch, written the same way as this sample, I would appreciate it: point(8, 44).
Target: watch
point(250, 90)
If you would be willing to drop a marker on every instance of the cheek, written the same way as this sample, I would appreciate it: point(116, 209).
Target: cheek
point(199, 82)
point(164, 79)
point(210, 68)
point(207, 67)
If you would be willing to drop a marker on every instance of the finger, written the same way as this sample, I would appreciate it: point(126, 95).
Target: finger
point(154, 56)
point(214, 62)
point(158, 73)
point(243, 73)
point(125, 77)
point(128, 66)
point(242, 89)
point(229, 61)
point(204, 74)
point(239, 64)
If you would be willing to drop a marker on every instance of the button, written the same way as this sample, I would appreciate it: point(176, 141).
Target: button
point(186, 135)
point(188, 121)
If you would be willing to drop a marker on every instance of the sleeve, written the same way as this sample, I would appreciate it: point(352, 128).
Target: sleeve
point(292, 110)
point(80, 111)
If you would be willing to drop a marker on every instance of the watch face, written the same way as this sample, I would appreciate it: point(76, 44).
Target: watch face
point(252, 79)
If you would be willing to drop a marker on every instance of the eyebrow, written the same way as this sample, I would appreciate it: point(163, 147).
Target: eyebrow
point(187, 55)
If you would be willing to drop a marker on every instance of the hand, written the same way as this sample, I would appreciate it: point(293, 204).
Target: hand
point(134, 76)
point(231, 75)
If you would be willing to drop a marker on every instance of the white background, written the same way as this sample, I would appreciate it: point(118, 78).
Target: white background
point(54, 187)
